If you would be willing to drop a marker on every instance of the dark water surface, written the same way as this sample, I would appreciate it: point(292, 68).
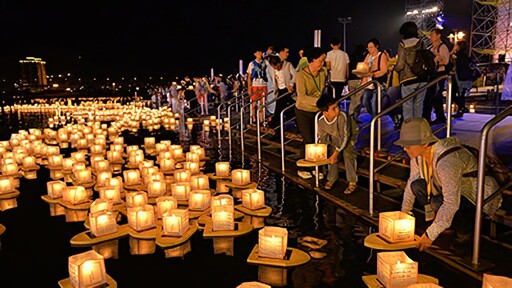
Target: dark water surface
point(35, 248)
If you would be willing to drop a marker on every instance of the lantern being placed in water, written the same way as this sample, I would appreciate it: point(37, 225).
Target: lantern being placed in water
point(175, 222)
point(141, 218)
point(87, 270)
point(253, 199)
point(395, 269)
point(316, 152)
point(272, 242)
point(396, 226)
point(241, 176)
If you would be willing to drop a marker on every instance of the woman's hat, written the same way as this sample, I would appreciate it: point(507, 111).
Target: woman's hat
point(415, 131)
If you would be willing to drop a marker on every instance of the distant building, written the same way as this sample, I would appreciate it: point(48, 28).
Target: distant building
point(33, 74)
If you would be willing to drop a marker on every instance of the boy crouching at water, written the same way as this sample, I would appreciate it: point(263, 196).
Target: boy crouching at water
point(336, 130)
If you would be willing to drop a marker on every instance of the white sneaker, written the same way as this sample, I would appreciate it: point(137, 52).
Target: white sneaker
point(320, 175)
point(304, 174)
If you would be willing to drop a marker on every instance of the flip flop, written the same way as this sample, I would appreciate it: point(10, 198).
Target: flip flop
point(350, 189)
point(328, 185)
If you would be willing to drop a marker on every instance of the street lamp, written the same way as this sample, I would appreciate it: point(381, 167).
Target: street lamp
point(344, 21)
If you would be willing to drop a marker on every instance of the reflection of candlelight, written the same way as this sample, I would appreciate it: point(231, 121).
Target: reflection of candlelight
point(87, 269)
point(253, 199)
point(222, 169)
point(223, 245)
point(175, 222)
point(273, 242)
point(241, 176)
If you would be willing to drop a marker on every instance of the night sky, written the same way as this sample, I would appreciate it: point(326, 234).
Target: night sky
point(171, 38)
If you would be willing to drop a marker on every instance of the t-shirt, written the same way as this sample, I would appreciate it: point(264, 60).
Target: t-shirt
point(339, 60)
point(257, 81)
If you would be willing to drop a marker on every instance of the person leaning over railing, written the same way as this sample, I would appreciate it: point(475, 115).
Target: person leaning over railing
point(438, 178)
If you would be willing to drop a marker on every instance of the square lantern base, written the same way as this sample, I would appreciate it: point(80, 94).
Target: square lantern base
point(66, 283)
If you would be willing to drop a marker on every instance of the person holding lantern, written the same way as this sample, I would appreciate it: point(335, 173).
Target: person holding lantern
point(340, 131)
point(441, 172)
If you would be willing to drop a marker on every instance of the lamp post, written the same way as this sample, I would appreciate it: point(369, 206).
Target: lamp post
point(344, 21)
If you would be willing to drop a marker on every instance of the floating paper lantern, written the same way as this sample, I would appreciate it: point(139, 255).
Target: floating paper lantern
point(83, 176)
point(103, 178)
point(97, 149)
point(87, 270)
point(131, 177)
point(396, 226)
point(9, 169)
point(175, 222)
point(149, 141)
point(178, 153)
point(100, 205)
point(156, 188)
point(167, 164)
point(29, 162)
point(395, 269)
point(102, 223)
point(161, 147)
point(6, 185)
point(180, 190)
point(135, 157)
point(222, 169)
point(67, 164)
point(55, 188)
point(75, 195)
point(192, 157)
point(136, 199)
point(199, 200)
point(253, 199)
point(199, 182)
point(78, 156)
point(141, 218)
point(362, 67)
point(241, 177)
point(223, 213)
point(110, 193)
point(102, 165)
point(193, 167)
point(182, 175)
point(494, 281)
point(316, 152)
point(116, 182)
point(55, 160)
point(272, 242)
point(165, 204)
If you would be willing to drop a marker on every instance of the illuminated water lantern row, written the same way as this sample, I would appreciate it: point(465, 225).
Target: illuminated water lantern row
point(199, 200)
point(272, 242)
point(223, 213)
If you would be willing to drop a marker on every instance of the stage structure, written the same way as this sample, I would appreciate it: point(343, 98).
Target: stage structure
point(427, 14)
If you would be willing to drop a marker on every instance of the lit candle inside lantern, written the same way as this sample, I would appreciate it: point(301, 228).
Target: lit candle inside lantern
point(206, 122)
point(131, 177)
point(161, 147)
point(193, 167)
point(67, 164)
point(253, 199)
point(9, 169)
point(156, 188)
point(100, 205)
point(97, 149)
point(178, 153)
point(136, 199)
point(395, 269)
point(190, 126)
point(6, 185)
point(223, 213)
point(29, 162)
point(182, 175)
point(102, 223)
point(190, 120)
point(87, 269)
point(102, 165)
point(199, 200)
point(222, 169)
point(103, 178)
point(136, 157)
point(175, 222)
point(167, 164)
point(75, 195)
point(114, 156)
point(149, 141)
point(241, 177)
point(84, 176)
point(55, 188)
point(316, 152)
point(180, 190)
point(199, 182)
point(55, 160)
point(141, 218)
point(165, 204)
point(396, 226)
point(272, 242)
point(110, 193)
point(78, 156)
point(192, 157)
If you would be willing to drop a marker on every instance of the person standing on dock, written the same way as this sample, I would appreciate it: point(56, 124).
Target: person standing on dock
point(441, 172)
point(340, 132)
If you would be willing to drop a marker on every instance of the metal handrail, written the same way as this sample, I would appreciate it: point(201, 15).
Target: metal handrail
point(258, 121)
point(242, 144)
point(190, 106)
point(281, 120)
point(390, 108)
point(481, 180)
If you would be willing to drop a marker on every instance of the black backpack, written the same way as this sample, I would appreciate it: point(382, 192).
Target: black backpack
point(423, 65)
point(493, 166)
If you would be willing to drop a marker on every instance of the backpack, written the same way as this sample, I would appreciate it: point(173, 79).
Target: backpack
point(424, 65)
point(493, 166)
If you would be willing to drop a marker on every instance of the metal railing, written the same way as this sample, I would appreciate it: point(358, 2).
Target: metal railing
point(241, 100)
point(480, 202)
point(281, 129)
point(371, 171)
point(242, 144)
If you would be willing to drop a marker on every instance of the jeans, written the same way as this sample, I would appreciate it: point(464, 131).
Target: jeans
point(414, 107)
point(369, 101)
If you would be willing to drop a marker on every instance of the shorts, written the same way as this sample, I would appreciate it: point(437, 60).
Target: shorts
point(254, 89)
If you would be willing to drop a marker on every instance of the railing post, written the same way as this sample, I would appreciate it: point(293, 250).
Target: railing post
point(316, 141)
point(449, 106)
point(379, 108)
point(242, 133)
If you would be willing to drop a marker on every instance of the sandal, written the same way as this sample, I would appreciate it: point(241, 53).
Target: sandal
point(328, 185)
point(352, 186)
